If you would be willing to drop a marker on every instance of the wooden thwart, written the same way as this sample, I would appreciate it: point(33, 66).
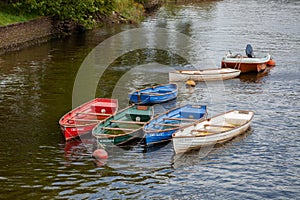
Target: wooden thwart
point(142, 107)
point(127, 122)
point(175, 125)
point(180, 119)
point(97, 114)
point(117, 129)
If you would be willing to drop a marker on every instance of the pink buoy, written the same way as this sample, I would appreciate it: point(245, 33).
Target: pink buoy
point(100, 154)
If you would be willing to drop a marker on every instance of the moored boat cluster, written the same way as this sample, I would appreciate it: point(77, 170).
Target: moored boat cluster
point(187, 125)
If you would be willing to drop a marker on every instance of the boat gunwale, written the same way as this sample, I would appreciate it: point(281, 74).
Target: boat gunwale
point(79, 125)
point(247, 60)
point(175, 90)
point(232, 71)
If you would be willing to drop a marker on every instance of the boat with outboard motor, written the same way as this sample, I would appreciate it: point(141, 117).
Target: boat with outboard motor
point(248, 63)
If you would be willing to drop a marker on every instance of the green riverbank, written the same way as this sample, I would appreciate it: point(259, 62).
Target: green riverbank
point(85, 13)
point(20, 28)
point(10, 15)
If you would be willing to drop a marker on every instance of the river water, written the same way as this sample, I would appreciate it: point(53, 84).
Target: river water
point(37, 88)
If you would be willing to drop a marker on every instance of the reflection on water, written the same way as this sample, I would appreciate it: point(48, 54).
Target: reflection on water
point(254, 77)
point(195, 156)
point(36, 86)
point(78, 148)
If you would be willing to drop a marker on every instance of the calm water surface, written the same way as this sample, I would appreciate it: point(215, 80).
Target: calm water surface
point(36, 87)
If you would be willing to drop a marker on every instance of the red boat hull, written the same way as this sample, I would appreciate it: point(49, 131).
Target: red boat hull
point(84, 118)
point(75, 131)
point(245, 67)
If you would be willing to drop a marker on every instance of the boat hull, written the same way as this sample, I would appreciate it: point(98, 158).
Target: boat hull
point(84, 118)
point(245, 67)
point(245, 64)
point(120, 140)
point(76, 130)
point(185, 140)
point(204, 75)
point(161, 128)
point(159, 137)
point(155, 94)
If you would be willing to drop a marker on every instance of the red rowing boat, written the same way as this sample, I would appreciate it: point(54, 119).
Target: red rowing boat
point(84, 118)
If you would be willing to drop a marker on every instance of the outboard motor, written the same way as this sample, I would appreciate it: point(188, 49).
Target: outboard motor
point(249, 51)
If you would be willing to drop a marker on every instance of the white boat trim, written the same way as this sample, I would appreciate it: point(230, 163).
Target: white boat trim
point(241, 59)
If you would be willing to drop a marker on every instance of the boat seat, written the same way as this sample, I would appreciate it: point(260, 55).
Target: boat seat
point(191, 113)
point(103, 107)
point(235, 121)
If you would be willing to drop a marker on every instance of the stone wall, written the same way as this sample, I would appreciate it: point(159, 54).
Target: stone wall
point(20, 35)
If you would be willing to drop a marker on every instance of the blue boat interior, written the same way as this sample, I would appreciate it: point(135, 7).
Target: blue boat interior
point(162, 127)
point(186, 114)
point(155, 94)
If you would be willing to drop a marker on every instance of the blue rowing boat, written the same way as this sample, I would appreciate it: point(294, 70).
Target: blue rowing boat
point(154, 94)
point(160, 128)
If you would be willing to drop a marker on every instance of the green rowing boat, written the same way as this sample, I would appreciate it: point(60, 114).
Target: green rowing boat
point(123, 127)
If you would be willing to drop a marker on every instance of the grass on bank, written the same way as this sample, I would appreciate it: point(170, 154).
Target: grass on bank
point(132, 10)
point(9, 15)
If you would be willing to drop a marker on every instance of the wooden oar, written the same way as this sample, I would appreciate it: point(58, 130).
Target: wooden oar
point(97, 114)
point(180, 119)
point(85, 120)
point(175, 125)
point(205, 131)
point(127, 122)
point(117, 129)
point(78, 125)
point(220, 126)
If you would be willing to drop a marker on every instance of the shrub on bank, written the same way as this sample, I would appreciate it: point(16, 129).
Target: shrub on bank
point(82, 12)
point(130, 9)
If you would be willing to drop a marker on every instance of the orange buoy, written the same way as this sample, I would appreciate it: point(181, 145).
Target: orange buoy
point(190, 82)
point(100, 154)
point(271, 63)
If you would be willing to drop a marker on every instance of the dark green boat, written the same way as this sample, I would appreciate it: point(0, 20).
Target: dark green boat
point(123, 127)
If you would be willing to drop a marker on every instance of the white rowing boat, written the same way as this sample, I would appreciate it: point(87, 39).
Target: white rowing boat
point(214, 130)
point(204, 75)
